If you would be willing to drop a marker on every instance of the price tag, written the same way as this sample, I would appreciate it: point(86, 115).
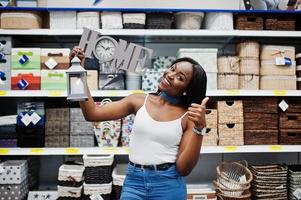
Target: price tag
point(37, 151)
point(55, 93)
point(126, 150)
point(275, 148)
point(4, 151)
point(137, 92)
point(111, 150)
point(232, 92)
point(230, 149)
point(199, 197)
point(280, 92)
point(3, 93)
point(72, 150)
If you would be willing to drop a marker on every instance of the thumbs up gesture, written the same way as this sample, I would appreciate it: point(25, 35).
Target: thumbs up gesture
point(196, 113)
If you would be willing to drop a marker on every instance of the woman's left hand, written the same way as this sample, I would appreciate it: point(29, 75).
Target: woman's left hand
point(196, 113)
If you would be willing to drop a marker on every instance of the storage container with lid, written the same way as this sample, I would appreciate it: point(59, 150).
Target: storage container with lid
point(189, 20)
point(218, 21)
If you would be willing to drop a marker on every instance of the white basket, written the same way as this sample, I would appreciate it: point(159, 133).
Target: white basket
point(69, 191)
point(189, 20)
point(218, 21)
point(92, 189)
point(119, 173)
point(136, 18)
point(111, 20)
point(89, 20)
point(62, 19)
point(98, 160)
point(71, 173)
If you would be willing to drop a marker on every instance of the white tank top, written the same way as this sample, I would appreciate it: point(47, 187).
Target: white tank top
point(154, 142)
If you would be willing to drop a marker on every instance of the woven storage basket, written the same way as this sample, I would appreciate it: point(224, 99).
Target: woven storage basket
point(228, 64)
point(159, 20)
point(218, 21)
point(21, 20)
point(189, 20)
point(246, 196)
point(290, 121)
point(248, 22)
point(229, 192)
point(227, 81)
point(269, 67)
point(75, 192)
point(230, 112)
point(211, 118)
point(249, 66)
point(294, 105)
point(290, 136)
point(260, 137)
point(73, 173)
point(211, 139)
point(230, 134)
point(88, 19)
point(98, 189)
point(133, 20)
point(249, 82)
point(111, 20)
point(271, 52)
point(248, 49)
point(278, 82)
point(260, 121)
point(280, 22)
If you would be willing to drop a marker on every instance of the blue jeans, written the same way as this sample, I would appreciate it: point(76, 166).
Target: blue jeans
point(142, 184)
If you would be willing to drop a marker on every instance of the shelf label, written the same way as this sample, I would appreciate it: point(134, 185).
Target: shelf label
point(230, 148)
point(4, 151)
point(110, 150)
point(37, 151)
point(55, 93)
point(126, 150)
point(3, 93)
point(275, 148)
point(72, 150)
point(232, 92)
point(280, 92)
point(137, 92)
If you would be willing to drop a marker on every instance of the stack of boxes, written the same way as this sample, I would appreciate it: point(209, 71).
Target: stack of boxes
point(230, 123)
point(26, 69)
point(13, 176)
point(31, 124)
point(5, 63)
point(228, 71)
point(57, 133)
point(260, 121)
point(211, 125)
point(8, 134)
point(81, 131)
point(278, 68)
point(207, 58)
point(54, 63)
point(290, 123)
point(298, 70)
point(151, 78)
point(248, 53)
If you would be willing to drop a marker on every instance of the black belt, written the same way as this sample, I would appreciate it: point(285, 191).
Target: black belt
point(162, 167)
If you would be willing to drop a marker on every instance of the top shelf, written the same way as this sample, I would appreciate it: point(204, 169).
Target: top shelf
point(157, 32)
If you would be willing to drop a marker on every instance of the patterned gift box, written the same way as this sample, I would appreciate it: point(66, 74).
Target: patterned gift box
point(162, 62)
point(26, 58)
point(151, 79)
point(14, 191)
point(55, 58)
point(126, 129)
point(27, 109)
point(14, 172)
point(42, 195)
point(31, 77)
point(6, 45)
point(5, 71)
point(53, 80)
point(82, 141)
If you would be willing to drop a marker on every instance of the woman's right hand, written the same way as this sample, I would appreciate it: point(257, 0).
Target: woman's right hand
point(79, 52)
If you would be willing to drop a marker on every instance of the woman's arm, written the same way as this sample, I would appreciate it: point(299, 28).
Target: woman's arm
point(189, 150)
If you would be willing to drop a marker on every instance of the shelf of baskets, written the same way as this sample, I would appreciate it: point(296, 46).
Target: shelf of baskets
point(125, 150)
point(157, 32)
point(123, 93)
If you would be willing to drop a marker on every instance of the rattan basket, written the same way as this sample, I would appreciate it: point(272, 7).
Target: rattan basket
point(230, 192)
point(249, 82)
point(228, 64)
point(245, 196)
point(249, 66)
point(280, 22)
point(249, 22)
point(159, 20)
point(227, 81)
point(248, 49)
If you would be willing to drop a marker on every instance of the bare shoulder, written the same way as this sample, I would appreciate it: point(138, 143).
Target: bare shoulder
point(136, 100)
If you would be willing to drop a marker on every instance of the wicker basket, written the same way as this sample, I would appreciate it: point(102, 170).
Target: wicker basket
point(249, 82)
point(72, 173)
point(98, 160)
point(268, 67)
point(227, 81)
point(228, 64)
point(280, 22)
point(111, 20)
point(260, 121)
point(290, 137)
point(248, 22)
point(249, 66)
point(271, 52)
point(278, 82)
point(260, 137)
point(248, 49)
point(230, 192)
point(211, 139)
point(211, 118)
point(231, 134)
point(230, 112)
point(218, 21)
point(246, 196)
point(159, 20)
point(189, 20)
point(133, 20)
point(69, 191)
